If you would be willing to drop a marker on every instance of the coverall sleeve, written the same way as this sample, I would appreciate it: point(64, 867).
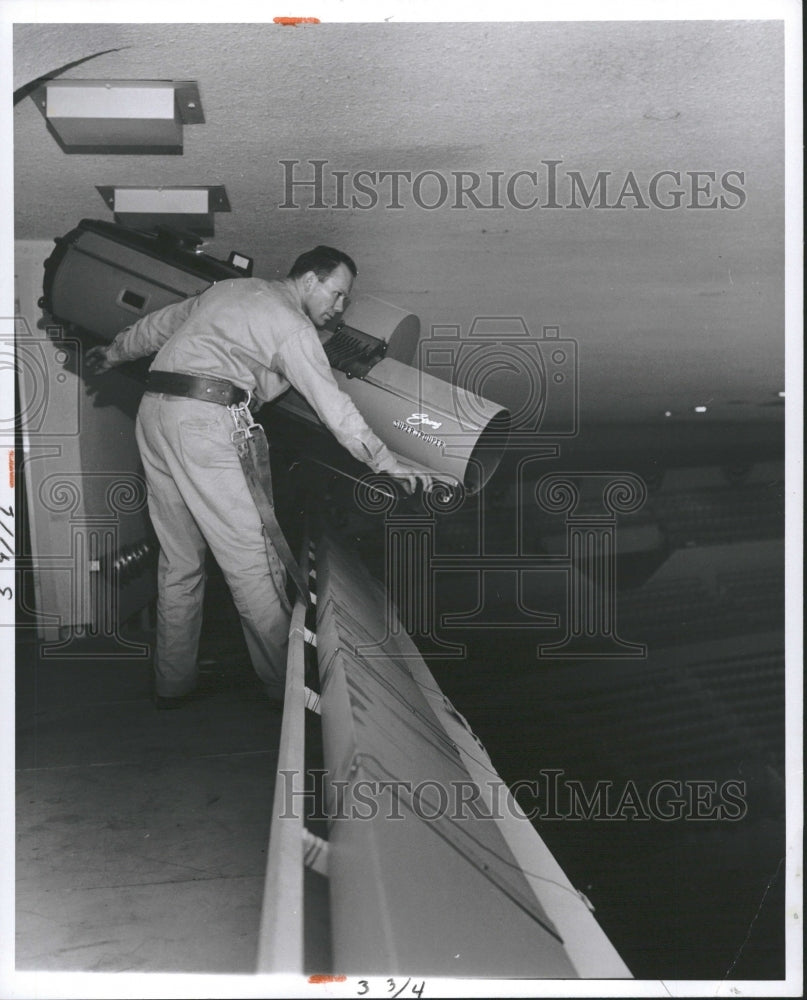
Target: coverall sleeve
point(149, 334)
point(302, 360)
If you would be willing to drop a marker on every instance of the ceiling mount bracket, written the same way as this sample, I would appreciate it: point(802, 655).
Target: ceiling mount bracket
point(188, 102)
point(119, 116)
point(189, 208)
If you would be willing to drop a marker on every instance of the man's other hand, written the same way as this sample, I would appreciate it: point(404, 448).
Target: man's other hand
point(96, 360)
point(409, 476)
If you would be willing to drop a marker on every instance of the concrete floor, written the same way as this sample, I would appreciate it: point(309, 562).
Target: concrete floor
point(141, 834)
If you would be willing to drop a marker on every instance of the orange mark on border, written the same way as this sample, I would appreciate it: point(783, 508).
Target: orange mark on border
point(326, 979)
point(11, 468)
point(296, 20)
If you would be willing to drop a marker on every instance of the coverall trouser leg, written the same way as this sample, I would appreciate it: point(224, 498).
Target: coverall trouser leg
point(198, 497)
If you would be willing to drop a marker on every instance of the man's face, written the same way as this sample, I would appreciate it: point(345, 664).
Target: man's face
point(324, 298)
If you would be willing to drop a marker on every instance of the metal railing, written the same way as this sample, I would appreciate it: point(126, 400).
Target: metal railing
point(280, 939)
point(425, 890)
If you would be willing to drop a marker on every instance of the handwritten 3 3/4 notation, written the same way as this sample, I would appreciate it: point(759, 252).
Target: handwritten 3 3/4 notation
point(393, 988)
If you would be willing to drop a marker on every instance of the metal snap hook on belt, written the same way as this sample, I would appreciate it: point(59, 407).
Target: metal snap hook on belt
point(242, 419)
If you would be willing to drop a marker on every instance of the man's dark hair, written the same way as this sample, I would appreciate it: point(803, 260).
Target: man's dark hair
point(322, 261)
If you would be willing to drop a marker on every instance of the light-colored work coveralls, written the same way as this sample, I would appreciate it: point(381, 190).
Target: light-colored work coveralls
point(255, 334)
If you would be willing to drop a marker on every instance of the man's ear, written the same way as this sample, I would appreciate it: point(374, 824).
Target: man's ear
point(309, 280)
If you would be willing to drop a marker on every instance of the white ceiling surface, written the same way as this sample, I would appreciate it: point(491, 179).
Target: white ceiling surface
point(670, 308)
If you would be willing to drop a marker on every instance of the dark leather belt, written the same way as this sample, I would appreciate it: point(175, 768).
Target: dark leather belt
point(211, 390)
